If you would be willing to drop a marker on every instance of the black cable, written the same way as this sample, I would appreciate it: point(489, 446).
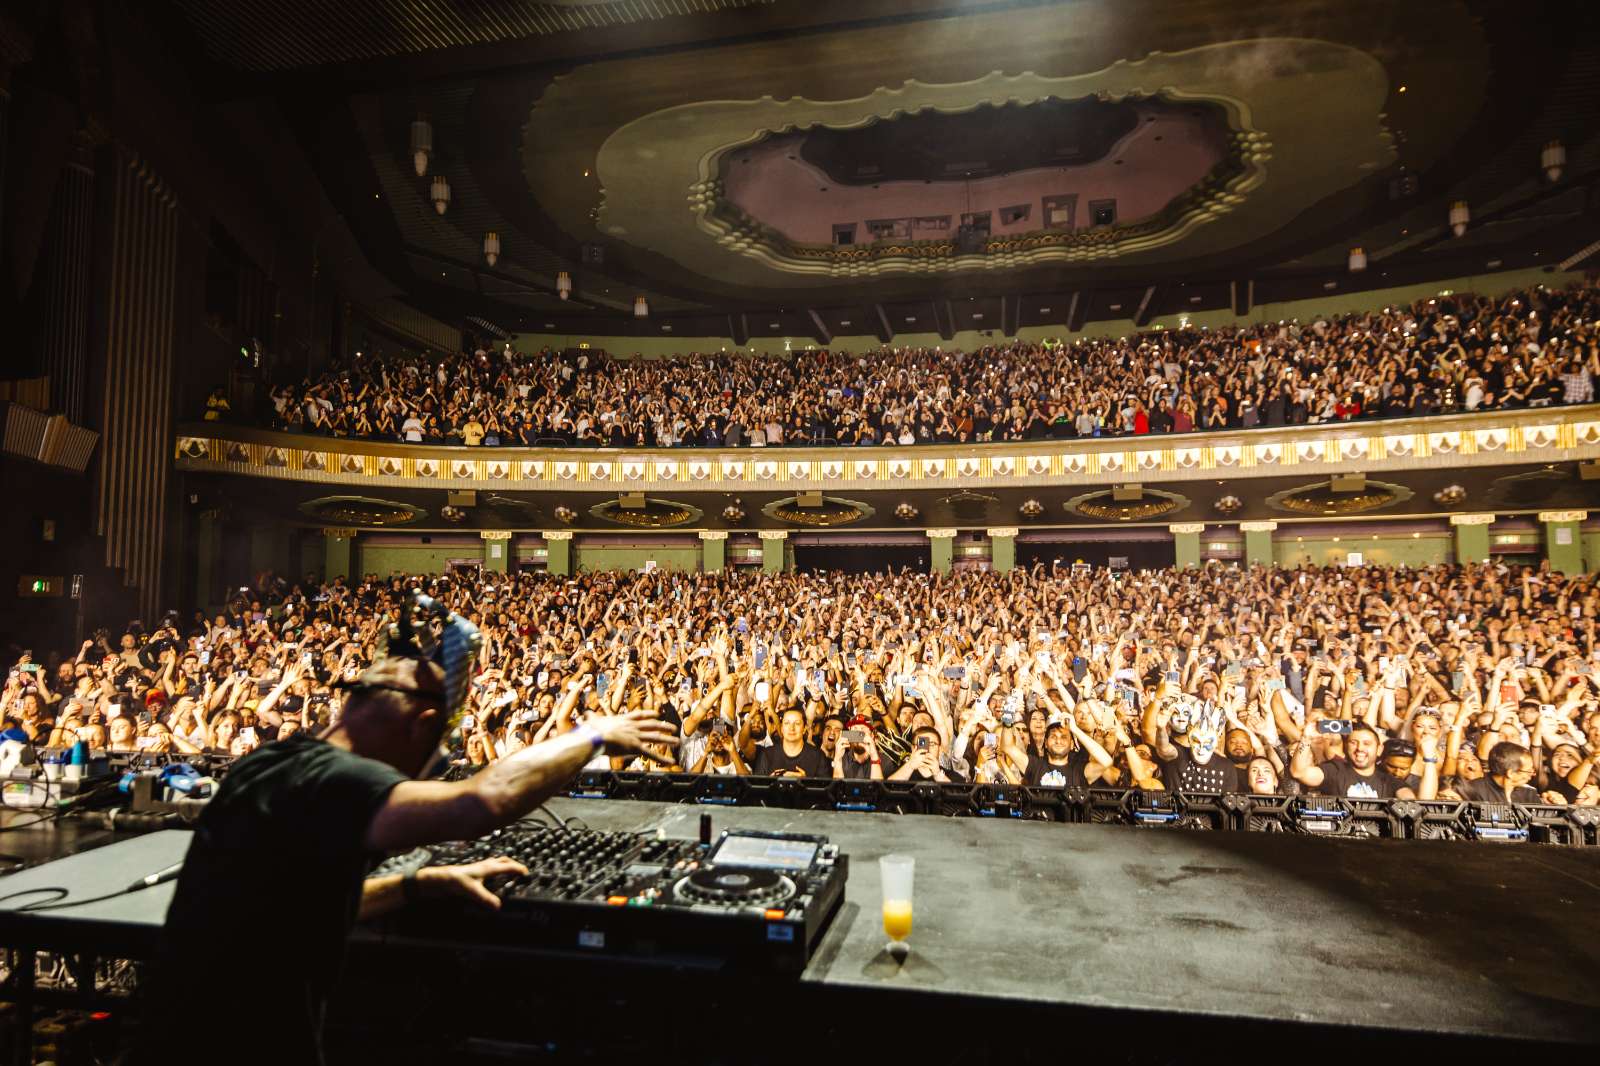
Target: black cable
point(61, 893)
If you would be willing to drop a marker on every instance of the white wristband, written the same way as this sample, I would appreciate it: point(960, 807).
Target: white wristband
point(592, 735)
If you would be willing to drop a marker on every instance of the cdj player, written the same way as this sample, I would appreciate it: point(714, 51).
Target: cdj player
point(750, 900)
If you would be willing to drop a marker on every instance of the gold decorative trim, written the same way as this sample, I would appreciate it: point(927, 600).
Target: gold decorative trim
point(1003, 531)
point(1257, 527)
point(773, 534)
point(713, 534)
point(557, 534)
point(940, 534)
point(495, 534)
point(1187, 527)
point(1398, 446)
point(1563, 516)
point(1472, 519)
point(339, 533)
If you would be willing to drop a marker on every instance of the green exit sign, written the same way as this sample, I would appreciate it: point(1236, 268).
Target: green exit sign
point(39, 585)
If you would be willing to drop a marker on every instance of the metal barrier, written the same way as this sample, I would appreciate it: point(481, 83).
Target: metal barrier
point(1310, 815)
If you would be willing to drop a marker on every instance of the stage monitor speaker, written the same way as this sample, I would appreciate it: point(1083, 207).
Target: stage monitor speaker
point(1590, 470)
point(1348, 483)
point(631, 501)
point(465, 498)
point(808, 499)
point(1127, 493)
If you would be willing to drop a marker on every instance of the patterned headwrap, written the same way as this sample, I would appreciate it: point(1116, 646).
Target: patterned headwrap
point(454, 650)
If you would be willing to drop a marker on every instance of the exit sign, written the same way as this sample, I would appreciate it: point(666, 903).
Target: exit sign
point(39, 585)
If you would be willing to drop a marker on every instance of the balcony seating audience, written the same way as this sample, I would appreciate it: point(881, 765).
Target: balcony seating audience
point(1460, 682)
point(1454, 353)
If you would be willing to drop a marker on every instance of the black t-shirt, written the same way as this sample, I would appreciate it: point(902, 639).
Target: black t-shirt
point(1184, 774)
point(1340, 779)
point(1042, 773)
point(771, 760)
point(1484, 790)
point(860, 771)
point(284, 831)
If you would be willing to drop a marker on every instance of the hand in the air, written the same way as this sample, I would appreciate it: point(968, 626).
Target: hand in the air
point(627, 734)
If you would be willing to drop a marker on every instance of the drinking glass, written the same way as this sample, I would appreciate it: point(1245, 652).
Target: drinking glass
point(897, 872)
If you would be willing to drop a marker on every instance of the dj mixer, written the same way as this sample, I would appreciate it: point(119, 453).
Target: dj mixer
point(747, 900)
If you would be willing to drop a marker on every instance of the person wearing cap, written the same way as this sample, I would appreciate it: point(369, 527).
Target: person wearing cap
point(1066, 764)
point(302, 821)
point(856, 757)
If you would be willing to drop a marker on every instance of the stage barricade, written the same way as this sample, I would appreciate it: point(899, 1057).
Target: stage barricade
point(1310, 815)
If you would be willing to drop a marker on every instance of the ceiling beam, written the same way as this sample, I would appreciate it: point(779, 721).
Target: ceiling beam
point(885, 331)
point(819, 328)
point(1243, 296)
point(1076, 310)
point(1141, 317)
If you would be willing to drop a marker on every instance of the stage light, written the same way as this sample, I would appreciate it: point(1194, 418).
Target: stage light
point(441, 193)
point(491, 247)
point(1460, 215)
point(1553, 159)
point(421, 144)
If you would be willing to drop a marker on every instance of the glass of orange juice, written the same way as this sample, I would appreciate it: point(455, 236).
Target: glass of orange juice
point(898, 872)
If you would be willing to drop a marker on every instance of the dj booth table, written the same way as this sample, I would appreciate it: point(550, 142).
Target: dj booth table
point(1197, 939)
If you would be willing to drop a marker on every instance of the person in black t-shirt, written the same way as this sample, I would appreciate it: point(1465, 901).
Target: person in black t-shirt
point(1065, 764)
point(301, 823)
point(792, 756)
point(1510, 769)
point(1200, 767)
point(1360, 776)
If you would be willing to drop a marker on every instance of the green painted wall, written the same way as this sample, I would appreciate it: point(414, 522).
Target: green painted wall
point(1187, 549)
point(1471, 544)
point(1335, 302)
point(558, 557)
point(713, 555)
point(412, 559)
point(1386, 551)
point(1003, 553)
point(1564, 558)
point(772, 555)
point(336, 557)
point(1591, 552)
point(605, 557)
point(941, 553)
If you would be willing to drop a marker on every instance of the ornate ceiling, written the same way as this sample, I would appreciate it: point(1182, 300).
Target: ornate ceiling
point(644, 148)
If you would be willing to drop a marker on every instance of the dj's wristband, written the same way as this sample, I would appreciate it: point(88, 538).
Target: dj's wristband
point(589, 733)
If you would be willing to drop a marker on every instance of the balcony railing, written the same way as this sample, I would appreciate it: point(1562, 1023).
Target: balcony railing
point(1498, 438)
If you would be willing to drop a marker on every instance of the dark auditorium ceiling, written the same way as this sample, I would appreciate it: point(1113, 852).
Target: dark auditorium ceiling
point(773, 168)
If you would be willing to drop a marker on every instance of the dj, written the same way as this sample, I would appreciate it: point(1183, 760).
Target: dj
point(275, 874)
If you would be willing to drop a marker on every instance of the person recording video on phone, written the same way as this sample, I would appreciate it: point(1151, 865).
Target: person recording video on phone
point(857, 757)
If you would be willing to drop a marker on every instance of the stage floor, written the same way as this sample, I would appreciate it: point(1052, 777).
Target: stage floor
point(1407, 936)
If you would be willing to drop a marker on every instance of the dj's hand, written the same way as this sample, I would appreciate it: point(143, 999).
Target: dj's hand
point(627, 734)
point(466, 882)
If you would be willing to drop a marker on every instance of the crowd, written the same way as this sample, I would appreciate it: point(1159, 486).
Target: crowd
point(1473, 682)
point(1451, 353)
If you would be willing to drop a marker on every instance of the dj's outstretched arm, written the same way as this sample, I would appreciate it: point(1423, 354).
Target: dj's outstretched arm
point(421, 812)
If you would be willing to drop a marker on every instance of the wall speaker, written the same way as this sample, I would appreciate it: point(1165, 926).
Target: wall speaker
point(630, 501)
point(808, 499)
point(465, 498)
point(1590, 470)
point(1127, 493)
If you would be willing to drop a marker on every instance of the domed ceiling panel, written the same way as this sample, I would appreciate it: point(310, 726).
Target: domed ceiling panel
point(1232, 141)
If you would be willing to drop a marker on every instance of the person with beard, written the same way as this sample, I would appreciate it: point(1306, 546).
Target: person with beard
point(1360, 776)
point(1072, 758)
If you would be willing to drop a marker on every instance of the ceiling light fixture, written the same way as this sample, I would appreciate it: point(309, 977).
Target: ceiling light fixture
point(1552, 159)
point(1358, 260)
point(421, 144)
point(491, 247)
point(641, 309)
point(441, 193)
point(563, 284)
point(1460, 215)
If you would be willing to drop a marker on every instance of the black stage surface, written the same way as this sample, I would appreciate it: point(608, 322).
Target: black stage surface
point(1032, 941)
